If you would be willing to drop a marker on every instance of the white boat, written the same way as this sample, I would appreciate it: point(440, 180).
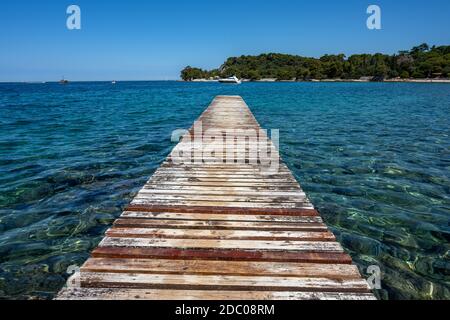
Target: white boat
point(114, 82)
point(232, 79)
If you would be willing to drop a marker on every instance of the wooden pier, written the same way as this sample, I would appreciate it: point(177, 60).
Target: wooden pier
point(207, 228)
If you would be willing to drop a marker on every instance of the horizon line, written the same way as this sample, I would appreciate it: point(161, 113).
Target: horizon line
point(74, 81)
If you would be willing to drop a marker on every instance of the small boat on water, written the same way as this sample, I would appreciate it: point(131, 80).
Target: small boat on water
point(63, 81)
point(114, 82)
point(232, 79)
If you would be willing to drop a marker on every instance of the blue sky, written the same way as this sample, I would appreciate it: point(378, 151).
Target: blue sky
point(154, 39)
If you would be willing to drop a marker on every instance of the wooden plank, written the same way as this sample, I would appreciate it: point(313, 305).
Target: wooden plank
point(218, 183)
point(222, 179)
point(225, 210)
point(222, 193)
point(170, 188)
point(218, 225)
point(219, 282)
point(199, 267)
point(219, 234)
point(196, 295)
point(233, 168)
point(221, 254)
point(285, 246)
point(207, 161)
point(150, 196)
point(222, 167)
point(220, 217)
point(211, 195)
point(223, 174)
point(221, 186)
point(231, 204)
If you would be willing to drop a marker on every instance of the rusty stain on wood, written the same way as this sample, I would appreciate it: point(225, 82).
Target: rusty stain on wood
point(217, 226)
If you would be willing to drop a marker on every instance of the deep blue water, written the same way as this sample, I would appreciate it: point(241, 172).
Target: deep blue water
point(374, 158)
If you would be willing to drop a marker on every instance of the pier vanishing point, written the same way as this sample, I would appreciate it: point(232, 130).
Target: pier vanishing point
point(207, 228)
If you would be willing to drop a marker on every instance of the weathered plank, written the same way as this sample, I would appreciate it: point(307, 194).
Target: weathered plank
point(285, 246)
point(232, 204)
point(222, 254)
point(222, 193)
point(219, 225)
point(152, 294)
point(197, 196)
point(221, 217)
point(199, 267)
point(310, 212)
point(219, 234)
point(219, 282)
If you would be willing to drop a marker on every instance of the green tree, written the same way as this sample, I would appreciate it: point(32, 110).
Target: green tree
point(189, 73)
point(404, 75)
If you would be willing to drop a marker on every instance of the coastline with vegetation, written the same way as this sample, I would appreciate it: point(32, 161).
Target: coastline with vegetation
point(421, 64)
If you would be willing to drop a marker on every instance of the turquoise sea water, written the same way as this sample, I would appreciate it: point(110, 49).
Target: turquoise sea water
point(373, 158)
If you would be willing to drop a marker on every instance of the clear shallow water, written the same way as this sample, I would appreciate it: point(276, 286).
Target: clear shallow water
point(373, 158)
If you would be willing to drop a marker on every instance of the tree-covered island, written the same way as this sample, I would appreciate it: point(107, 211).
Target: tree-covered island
point(420, 62)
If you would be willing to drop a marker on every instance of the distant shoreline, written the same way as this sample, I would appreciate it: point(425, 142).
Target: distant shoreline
point(243, 80)
point(421, 64)
point(335, 80)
